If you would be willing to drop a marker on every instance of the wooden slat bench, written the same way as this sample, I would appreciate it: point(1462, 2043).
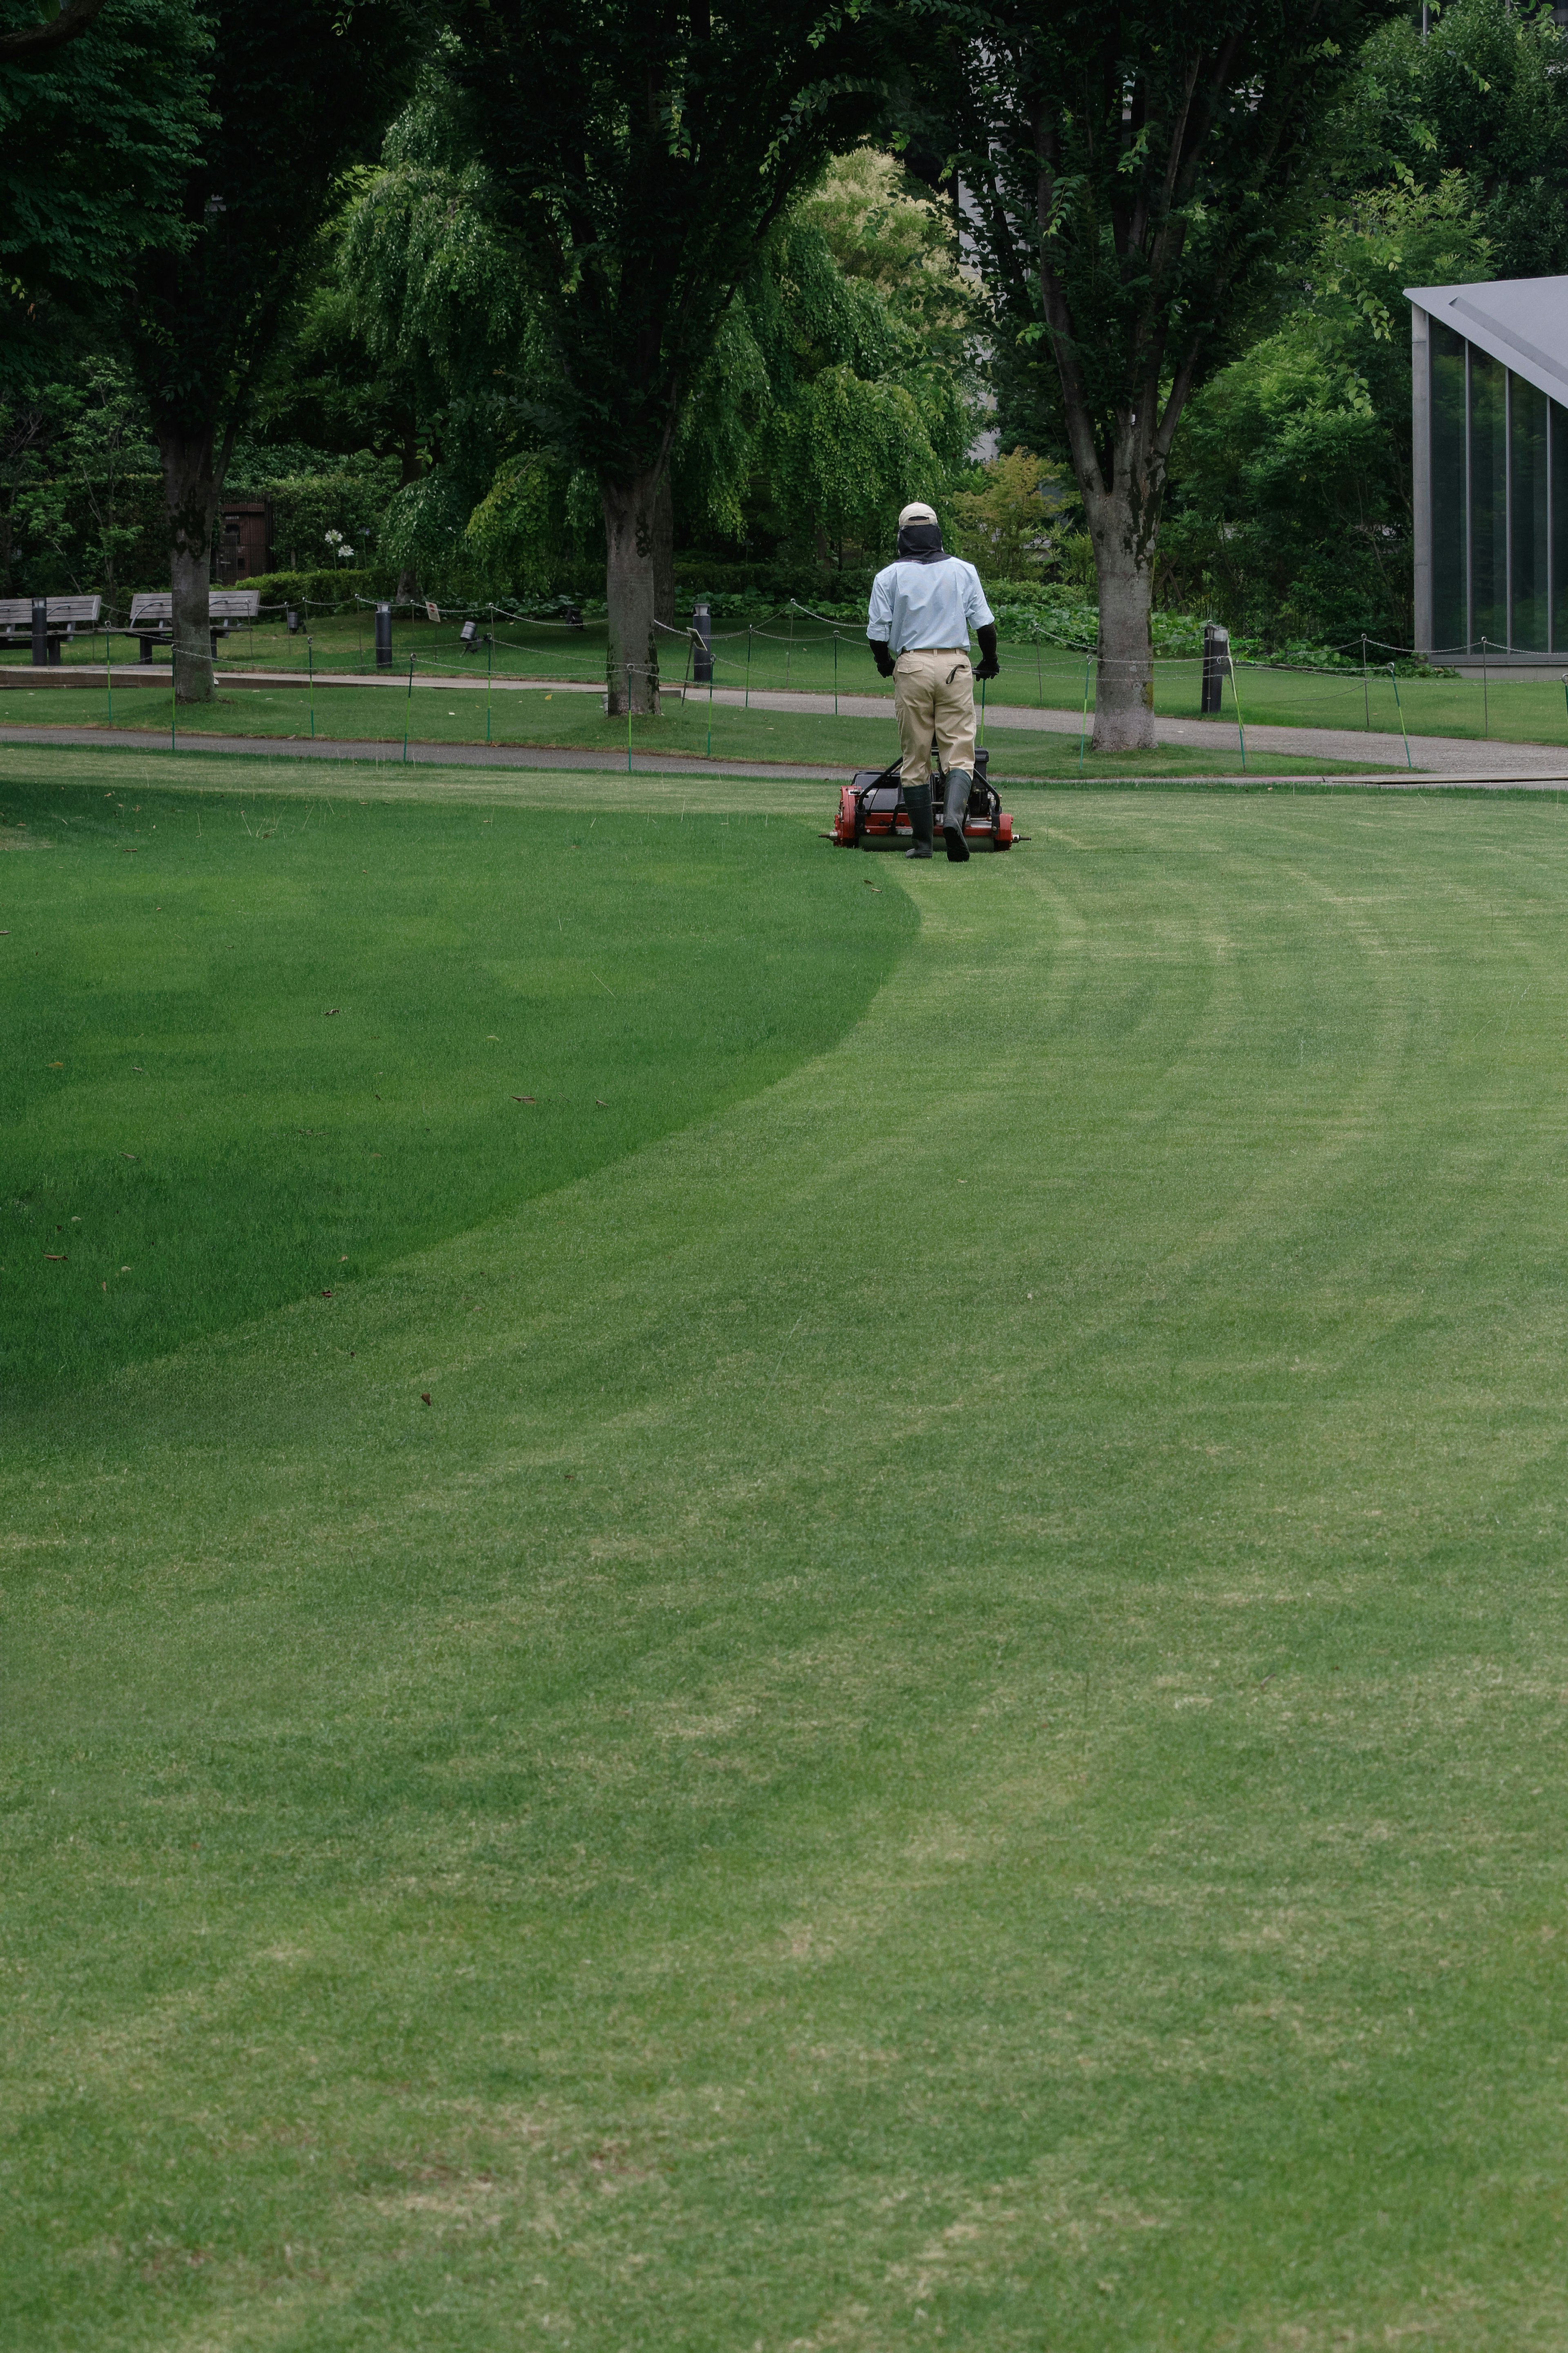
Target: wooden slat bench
point(152, 615)
point(63, 617)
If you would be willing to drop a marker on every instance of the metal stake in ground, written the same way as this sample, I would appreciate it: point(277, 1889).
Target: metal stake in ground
point(1399, 706)
point(310, 675)
point(628, 719)
point(1239, 728)
point(407, 710)
point(490, 671)
point(1365, 690)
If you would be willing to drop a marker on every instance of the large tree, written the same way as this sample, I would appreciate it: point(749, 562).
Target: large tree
point(101, 119)
point(301, 90)
point(1127, 166)
point(638, 152)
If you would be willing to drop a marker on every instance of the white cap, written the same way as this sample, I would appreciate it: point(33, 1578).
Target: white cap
point(919, 513)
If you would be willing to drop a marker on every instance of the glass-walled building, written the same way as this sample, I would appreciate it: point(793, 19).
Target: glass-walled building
point(1490, 390)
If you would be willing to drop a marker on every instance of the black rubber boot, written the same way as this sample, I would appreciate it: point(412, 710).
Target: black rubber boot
point(955, 808)
point(916, 800)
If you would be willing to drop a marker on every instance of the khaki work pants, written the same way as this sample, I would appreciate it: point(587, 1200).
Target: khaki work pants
point(933, 695)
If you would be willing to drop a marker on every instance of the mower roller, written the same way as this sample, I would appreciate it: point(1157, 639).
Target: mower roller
point(872, 816)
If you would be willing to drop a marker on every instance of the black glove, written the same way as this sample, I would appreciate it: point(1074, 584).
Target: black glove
point(881, 656)
point(989, 665)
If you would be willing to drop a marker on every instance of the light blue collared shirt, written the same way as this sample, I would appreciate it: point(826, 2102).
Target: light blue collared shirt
point(916, 605)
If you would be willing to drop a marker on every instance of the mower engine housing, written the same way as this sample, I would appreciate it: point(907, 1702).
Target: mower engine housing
point(872, 814)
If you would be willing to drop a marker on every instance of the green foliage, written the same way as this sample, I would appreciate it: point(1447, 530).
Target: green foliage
point(637, 157)
point(302, 90)
point(1133, 171)
point(79, 501)
point(95, 143)
point(1290, 508)
point(883, 225)
point(820, 400)
point(1485, 95)
point(345, 587)
point(1010, 525)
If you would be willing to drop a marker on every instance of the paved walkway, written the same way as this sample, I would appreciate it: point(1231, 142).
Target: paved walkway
point(1443, 755)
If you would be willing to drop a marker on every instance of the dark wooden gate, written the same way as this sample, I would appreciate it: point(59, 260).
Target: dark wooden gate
point(246, 541)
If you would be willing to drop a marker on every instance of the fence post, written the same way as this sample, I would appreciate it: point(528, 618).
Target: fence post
point(702, 652)
point(1216, 652)
point(383, 636)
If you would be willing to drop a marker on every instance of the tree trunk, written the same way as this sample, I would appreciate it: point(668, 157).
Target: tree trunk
point(1124, 672)
point(664, 553)
point(191, 490)
point(632, 655)
point(1123, 518)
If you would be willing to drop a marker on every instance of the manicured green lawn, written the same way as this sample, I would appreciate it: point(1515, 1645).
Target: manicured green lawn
point(576, 722)
point(888, 1758)
point(250, 1054)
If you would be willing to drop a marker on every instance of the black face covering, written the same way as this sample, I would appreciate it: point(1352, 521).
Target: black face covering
point(920, 543)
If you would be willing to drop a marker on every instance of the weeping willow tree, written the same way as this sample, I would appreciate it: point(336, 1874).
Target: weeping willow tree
point(821, 392)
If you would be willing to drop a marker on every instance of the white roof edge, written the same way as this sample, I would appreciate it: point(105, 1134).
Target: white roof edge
point(1451, 307)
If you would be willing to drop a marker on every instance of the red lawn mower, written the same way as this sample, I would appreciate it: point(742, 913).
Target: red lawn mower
point(872, 816)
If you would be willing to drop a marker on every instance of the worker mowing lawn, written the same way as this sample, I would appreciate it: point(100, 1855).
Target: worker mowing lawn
point(923, 605)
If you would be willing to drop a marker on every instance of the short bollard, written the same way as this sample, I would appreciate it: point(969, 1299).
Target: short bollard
point(40, 633)
point(702, 649)
point(383, 636)
point(1216, 657)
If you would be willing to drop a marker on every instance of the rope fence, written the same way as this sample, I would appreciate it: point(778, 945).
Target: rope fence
point(802, 652)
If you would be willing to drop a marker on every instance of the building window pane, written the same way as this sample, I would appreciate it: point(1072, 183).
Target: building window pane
point(1450, 616)
point(1527, 496)
point(1488, 500)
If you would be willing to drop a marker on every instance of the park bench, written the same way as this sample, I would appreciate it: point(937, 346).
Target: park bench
point(152, 615)
point(45, 620)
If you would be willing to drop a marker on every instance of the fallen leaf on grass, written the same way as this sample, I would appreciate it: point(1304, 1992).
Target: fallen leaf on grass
point(423, 1397)
point(131, 1155)
point(603, 1107)
point(59, 1257)
point(522, 1098)
point(330, 1011)
point(57, 1066)
point(125, 1270)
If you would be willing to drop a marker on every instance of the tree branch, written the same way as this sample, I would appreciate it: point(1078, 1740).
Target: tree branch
point(35, 41)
